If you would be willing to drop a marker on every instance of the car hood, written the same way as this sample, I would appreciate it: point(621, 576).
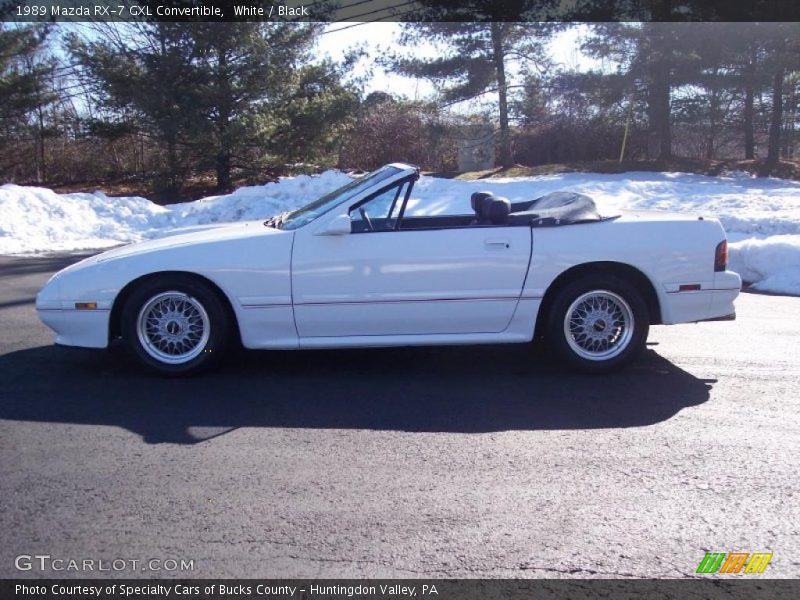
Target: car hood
point(190, 236)
point(177, 238)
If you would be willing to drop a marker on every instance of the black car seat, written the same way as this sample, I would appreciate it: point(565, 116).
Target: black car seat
point(496, 211)
point(477, 200)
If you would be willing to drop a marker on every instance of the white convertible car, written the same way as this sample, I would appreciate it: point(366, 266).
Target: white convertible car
point(356, 269)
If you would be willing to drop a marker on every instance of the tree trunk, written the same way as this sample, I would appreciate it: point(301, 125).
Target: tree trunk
point(41, 167)
point(713, 110)
point(789, 118)
point(498, 55)
point(749, 94)
point(749, 134)
point(224, 180)
point(661, 111)
point(225, 111)
point(173, 179)
point(659, 86)
point(776, 119)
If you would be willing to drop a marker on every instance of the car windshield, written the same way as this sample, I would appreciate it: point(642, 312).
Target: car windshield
point(311, 211)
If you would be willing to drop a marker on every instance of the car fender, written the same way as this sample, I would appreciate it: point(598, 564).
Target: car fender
point(252, 271)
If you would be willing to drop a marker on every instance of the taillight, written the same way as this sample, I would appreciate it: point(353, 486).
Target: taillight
point(721, 256)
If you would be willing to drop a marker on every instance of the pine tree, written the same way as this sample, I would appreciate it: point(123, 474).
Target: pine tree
point(243, 64)
point(782, 45)
point(221, 95)
point(475, 62)
point(25, 86)
point(146, 76)
point(654, 58)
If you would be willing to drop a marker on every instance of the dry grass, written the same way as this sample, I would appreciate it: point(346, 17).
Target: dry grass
point(786, 169)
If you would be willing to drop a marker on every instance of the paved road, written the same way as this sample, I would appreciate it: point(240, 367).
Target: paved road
point(476, 462)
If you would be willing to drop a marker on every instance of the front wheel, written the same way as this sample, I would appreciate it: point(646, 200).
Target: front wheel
point(598, 323)
point(175, 326)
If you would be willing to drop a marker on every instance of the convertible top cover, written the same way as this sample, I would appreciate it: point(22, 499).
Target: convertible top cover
point(555, 209)
point(551, 210)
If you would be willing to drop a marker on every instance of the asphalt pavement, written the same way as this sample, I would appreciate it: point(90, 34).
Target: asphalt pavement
point(487, 461)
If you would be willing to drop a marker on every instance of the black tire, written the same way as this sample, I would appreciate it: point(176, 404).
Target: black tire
point(613, 348)
point(190, 310)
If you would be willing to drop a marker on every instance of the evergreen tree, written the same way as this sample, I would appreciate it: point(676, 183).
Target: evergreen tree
point(241, 65)
point(146, 76)
point(782, 45)
point(225, 95)
point(475, 62)
point(744, 44)
point(26, 72)
point(654, 58)
point(309, 122)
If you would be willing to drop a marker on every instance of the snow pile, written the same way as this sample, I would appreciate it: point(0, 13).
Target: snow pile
point(773, 263)
point(257, 202)
point(761, 216)
point(39, 220)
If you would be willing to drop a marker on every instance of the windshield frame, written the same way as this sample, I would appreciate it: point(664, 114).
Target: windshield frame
point(352, 190)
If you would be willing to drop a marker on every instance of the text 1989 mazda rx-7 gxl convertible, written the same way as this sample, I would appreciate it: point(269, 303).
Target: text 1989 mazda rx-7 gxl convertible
point(356, 269)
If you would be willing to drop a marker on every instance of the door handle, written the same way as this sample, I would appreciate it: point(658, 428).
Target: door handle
point(497, 244)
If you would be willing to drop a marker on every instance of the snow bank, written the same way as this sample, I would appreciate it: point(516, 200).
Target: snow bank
point(762, 216)
point(772, 263)
point(39, 220)
point(257, 202)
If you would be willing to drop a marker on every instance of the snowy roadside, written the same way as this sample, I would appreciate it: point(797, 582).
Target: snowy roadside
point(761, 216)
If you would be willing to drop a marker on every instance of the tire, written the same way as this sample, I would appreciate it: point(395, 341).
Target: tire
point(598, 323)
point(176, 325)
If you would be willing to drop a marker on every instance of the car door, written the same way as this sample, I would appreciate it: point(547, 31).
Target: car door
point(383, 280)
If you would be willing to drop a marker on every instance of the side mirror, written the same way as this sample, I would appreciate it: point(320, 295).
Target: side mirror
point(341, 225)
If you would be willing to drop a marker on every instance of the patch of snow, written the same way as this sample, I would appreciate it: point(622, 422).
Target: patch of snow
point(761, 215)
point(771, 263)
point(36, 219)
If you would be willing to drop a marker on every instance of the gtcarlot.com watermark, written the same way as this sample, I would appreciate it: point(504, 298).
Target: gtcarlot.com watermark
point(46, 562)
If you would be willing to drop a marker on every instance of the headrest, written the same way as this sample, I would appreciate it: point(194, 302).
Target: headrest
point(486, 206)
point(497, 211)
point(476, 200)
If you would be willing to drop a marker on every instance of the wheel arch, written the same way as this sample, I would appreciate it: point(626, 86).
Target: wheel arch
point(115, 319)
point(624, 271)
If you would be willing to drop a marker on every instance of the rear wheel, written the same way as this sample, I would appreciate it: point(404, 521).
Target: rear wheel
point(598, 323)
point(176, 325)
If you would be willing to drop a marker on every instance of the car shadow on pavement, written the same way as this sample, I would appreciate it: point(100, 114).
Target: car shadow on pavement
point(461, 389)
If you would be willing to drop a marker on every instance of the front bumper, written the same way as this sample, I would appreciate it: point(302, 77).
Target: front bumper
point(84, 328)
point(73, 327)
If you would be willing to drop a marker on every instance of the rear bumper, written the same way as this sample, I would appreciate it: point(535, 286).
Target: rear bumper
point(712, 303)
